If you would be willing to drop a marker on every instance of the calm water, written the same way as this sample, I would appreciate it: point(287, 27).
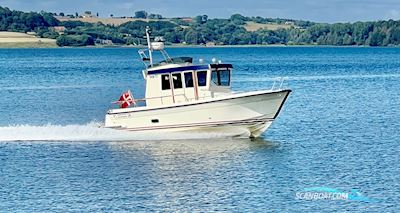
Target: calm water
point(339, 129)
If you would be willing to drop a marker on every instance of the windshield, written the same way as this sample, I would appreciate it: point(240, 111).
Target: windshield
point(221, 77)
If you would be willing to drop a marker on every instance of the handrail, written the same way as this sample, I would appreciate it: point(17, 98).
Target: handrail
point(278, 80)
point(159, 97)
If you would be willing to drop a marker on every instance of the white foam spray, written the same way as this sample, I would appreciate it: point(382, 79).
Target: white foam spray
point(92, 132)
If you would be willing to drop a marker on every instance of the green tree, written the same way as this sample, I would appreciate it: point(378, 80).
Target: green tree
point(50, 20)
point(394, 35)
point(74, 40)
point(193, 37)
point(238, 19)
point(376, 38)
point(348, 40)
point(200, 19)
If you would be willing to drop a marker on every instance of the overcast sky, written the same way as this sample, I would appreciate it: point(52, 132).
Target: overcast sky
point(312, 10)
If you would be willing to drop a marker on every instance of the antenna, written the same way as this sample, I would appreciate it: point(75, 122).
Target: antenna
point(148, 32)
point(157, 45)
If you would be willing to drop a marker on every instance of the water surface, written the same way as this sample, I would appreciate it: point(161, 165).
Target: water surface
point(339, 129)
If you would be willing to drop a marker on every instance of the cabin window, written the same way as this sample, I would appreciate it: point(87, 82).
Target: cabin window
point(188, 79)
point(225, 77)
point(214, 78)
point(165, 84)
point(220, 77)
point(202, 78)
point(177, 80)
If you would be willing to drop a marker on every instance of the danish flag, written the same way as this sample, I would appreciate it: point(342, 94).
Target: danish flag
point(126, 99)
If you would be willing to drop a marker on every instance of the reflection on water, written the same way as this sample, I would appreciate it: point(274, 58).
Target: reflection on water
point(190, 155)
point(187, 174)
point(194, 148)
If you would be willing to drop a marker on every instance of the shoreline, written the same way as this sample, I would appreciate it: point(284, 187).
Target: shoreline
point(34, 45)
point(9, 40)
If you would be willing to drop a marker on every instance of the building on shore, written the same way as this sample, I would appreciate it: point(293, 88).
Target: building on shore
point(58, 29)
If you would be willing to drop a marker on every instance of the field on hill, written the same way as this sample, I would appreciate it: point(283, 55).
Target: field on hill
point(253, 26)
point(110, 21)
point(249, 26)
point(14, 39)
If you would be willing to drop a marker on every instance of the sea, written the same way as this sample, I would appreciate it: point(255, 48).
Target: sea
point(334, 147)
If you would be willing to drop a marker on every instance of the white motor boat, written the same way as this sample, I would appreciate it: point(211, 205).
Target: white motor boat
point(186, 97)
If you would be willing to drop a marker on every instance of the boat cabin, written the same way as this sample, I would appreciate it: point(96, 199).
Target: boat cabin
point(178, 80)
point(177, 83)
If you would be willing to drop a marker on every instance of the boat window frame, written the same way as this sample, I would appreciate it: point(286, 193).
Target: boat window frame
point(192, 79)
point(229, 77)
point(216, 75)
point(213, 77)
point(180, 83)
point(164, 85)
point(205, 78)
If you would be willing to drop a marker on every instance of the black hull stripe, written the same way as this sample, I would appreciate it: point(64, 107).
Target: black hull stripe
point(211, 101)
point(283, 102)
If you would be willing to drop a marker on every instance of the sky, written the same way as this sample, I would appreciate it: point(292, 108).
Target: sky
point(327, 11)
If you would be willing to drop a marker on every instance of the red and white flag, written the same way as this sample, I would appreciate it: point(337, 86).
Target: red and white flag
point(126, 99)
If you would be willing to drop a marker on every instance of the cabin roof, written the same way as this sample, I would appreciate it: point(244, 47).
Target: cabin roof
point(177, 69)
point(221, 66)
point(188, 68)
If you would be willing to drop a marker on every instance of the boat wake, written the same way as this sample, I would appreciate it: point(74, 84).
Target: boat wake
point(91, 132)
point(54, 87)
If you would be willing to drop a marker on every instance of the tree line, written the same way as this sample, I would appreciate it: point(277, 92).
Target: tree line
point(18, 21)
point(202, 30)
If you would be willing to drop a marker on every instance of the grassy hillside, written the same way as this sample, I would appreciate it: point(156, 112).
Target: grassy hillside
point(198, 30)
point(14, 39)
point(105, 21)
point(252, 26)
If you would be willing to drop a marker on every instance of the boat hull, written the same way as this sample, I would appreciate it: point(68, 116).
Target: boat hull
point(239, 115)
